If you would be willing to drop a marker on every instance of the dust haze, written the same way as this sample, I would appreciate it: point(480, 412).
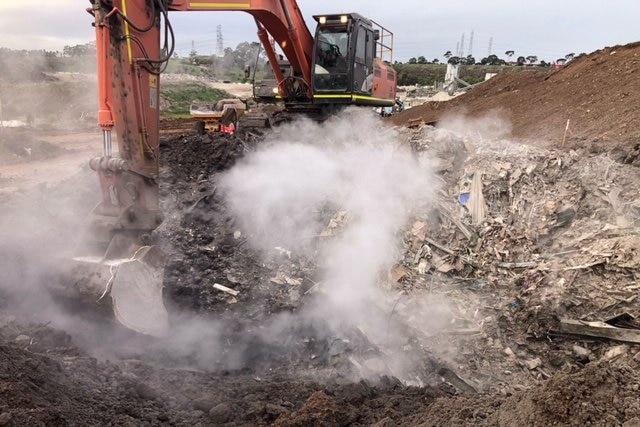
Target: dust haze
point(338, 193)
point(36, 90)
point(492, 125)
point(41, 224)
point(341, 191)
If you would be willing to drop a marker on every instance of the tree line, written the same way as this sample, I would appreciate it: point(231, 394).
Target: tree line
point(490, 60)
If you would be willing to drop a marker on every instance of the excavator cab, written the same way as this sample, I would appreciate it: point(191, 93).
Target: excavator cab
point(347, 65)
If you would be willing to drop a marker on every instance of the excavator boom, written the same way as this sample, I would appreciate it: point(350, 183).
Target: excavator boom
point(282, 19)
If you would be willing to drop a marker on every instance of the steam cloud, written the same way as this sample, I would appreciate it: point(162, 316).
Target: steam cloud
point(350, 163)
point(493, 125)
point(283, 195)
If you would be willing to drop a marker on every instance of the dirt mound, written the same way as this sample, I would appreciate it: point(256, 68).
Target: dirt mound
point(45, 381)
point(599, 395)
point(598, 93)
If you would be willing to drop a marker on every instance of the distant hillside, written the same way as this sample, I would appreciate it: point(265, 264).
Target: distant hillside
point(599, 93)
point(176, 97)
point(34, 85)
point(428, 74)
point(18, 66)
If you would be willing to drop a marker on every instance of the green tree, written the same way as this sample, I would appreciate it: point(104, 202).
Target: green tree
point(79, 50)
point(244, 54)
point(491, 60)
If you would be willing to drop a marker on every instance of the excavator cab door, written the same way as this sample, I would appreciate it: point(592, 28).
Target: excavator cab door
point(364, 52)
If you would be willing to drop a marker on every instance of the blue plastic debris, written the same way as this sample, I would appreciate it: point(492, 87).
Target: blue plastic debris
point(463, 198)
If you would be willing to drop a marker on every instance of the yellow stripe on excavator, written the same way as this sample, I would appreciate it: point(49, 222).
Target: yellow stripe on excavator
point(219, 5)
point(127, 32)
point(333, 96)
point(353, 97)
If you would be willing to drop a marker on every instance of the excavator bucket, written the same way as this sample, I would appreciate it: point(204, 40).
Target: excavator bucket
point(131, 285)
point(114, 266)
point(136, 292)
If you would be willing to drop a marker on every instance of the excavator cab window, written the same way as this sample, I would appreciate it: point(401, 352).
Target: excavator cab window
point(331, 71)
point(363, 61)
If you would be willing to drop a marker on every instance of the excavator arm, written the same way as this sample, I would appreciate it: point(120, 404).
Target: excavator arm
point(129, 63)
point(134, 42)
point(130, 59)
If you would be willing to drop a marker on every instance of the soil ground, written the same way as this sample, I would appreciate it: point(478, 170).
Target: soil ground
point(545, 233)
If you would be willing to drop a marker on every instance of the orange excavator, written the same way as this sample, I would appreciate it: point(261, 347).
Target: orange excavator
point(346, 63)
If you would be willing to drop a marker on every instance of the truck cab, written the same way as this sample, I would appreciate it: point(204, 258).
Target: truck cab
point(266, 90)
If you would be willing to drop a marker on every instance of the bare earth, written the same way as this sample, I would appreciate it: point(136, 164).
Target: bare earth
point(525, 234)
point(75, 150)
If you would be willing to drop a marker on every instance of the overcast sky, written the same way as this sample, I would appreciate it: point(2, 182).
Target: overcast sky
point(546, 28)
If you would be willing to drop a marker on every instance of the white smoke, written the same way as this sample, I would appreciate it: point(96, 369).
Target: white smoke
point(492, 125)
point(349, 163)
point(284, 195)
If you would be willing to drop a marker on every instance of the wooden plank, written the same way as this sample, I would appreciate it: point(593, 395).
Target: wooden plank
point(225, 289)
point(599, 330)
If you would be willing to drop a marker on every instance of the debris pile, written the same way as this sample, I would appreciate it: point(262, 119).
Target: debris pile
point(527, 244)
